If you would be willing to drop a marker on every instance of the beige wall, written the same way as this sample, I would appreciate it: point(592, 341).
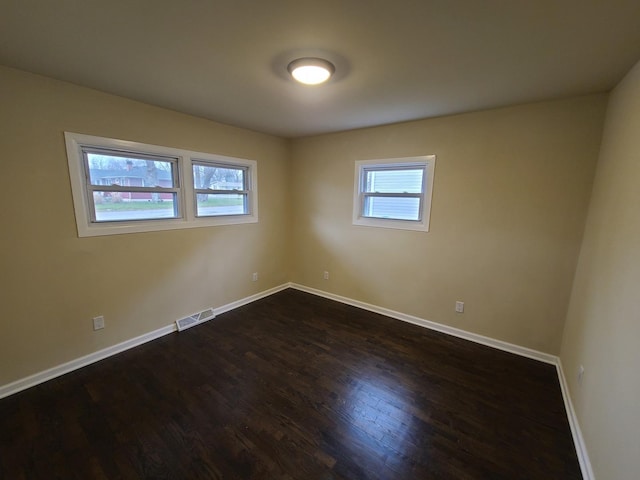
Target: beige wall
point(509, 204)
point(53, 282)
point(603, 324)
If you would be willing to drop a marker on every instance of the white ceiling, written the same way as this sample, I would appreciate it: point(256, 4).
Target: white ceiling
point(396, 60)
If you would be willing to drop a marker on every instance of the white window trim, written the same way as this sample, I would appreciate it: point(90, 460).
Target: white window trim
point(429, 162)
point(87, 228)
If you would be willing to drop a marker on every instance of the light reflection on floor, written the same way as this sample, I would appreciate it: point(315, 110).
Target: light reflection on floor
point(381, 419)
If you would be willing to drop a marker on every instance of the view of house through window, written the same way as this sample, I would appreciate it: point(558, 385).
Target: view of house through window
point(128, 188)
point(220, 189)
point(120, 186)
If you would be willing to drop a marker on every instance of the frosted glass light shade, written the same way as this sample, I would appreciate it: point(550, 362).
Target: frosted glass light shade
point(311, 71)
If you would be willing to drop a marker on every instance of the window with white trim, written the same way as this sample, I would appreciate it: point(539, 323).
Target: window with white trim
point(220, 188)
point(128, 187)
point(394, 193)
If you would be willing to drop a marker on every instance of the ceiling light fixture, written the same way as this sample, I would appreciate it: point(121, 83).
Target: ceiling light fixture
point(311, 71)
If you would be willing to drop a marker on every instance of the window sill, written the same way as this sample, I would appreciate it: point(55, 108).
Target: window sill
point(389, 223)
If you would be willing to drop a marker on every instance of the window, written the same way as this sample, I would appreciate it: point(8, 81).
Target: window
point(220, 189)
point(125, 186)
point(394, 193)
point(129, 187)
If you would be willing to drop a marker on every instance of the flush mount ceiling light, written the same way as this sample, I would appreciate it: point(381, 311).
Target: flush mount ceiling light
point(311, 71)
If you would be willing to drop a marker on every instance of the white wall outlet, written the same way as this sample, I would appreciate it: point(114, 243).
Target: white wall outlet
point(98, 323)
point(580, 374)
point(326, 275)
point(460, 307)
point(254, 277)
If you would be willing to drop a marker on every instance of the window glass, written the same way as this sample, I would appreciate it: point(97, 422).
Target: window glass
point(212, 185)
point(389, 181)
point(128, 171)
point(126, 187)
point(389, 207)
point(221, 204)
point(218, 177)
point(394, 193)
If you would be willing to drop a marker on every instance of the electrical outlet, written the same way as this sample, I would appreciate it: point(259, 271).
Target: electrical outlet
point(580, 374)
point(326, 275)
point(98, 323)
point(254, 277)
point(460, 307)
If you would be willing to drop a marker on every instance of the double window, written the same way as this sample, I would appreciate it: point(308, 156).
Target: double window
point(394, 193)
point(128, 187)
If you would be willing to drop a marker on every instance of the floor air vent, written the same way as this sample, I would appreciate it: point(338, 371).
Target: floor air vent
point(195, 319)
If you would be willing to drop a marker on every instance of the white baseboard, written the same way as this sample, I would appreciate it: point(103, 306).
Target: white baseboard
point(456, 332)
point(252, 298)
point(51, 373)
point(576, 432)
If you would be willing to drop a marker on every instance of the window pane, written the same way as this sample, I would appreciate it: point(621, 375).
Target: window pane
point(209, 205)
point(218, 178)
point(394, 181)
point(122, 206)
point(403, 208)
point(126, 171)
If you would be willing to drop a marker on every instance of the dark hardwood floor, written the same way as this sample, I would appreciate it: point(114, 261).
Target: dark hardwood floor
point(294, 386)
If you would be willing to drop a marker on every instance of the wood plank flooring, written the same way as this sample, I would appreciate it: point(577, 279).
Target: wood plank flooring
point(294, 386)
